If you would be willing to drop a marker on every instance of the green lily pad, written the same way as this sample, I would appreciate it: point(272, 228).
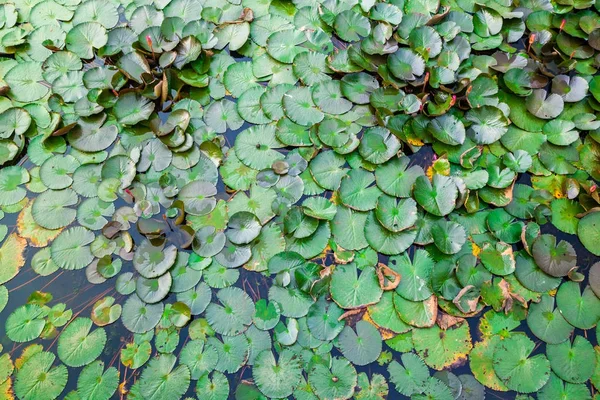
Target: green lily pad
point(588, 231)
point(579, 309)
point(573, 362)
point(77, 346)
point(277, 378)
point(39, 379)
point(321, 379)
point(514, 364)
point(361, 347)
point(440, 349)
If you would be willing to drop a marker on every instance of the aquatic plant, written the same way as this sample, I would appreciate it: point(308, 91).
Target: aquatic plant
point(319, 199)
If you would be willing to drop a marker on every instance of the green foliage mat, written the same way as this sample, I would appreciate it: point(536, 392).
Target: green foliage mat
point(316, 199)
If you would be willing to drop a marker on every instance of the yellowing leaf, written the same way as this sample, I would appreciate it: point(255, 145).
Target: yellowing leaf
point(37, 235)
point(11, 257)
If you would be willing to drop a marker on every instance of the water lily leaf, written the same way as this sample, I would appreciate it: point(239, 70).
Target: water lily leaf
point(83, 38)
point(25, 323)
point(358, 87)
point(326, 169)
point(233, 256)
point(482, 363)
point(239, 77)
point(571, 89)
point(96, 383)
point(396, 177)
point(489, 124)
point(153, 290)
point(376, 389)
point(360, 347)
point(311, 68)
point(334, 132)
point(283, 45)
point(498, 259)
point(14, 121)
point(320, 379)
point(410, 377)
point(43, 13)
point(471, 388)
point(574, 361)
point(153, 261)
point(416, 313)
point(277, 378)
point(503, 226)
point(547, 323)
point(328, 96)
point(11, 181)
point(426, 41)
point(91, 213)
point(234, 315)
point(447, 129)
point(531, 275)
point(38, 379)
point(24, 80)
point(197, 197)
point(232, 352)
point(440, 349)
point(90, 138)
point(351, 26)
point(588, 231)
point(519, 81)
point(558, 387)
point(125, 283)
point(514, 364)
point(258, 203)
point(544, 107)
point(483, 91)
point(323, 320)
point(199, 358)
point(243, 227)
point(415, 275)
point(579, 309)
point(257, 147)
point(378, 145)
point(449, 237)
point(269, 242)
point(356, 191)
point(213, 388)
point(105, 312)
point(351, 290)
point(298, 106)
point(222, 114)
point(267, 314)
point(132, 108)
point(160, 380)
point(139, 317)
point(406, 65)
point(348, 228)
point(437, 197)
point(594, 278)
point(56, 171)
point(554, 259)
point(197, 299)
point(77, 346)
point(71, 249)
point(396, 215)
point(385, 241)
point(299, 224)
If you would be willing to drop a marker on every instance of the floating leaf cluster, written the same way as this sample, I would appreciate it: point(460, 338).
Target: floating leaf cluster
point(280, 195)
